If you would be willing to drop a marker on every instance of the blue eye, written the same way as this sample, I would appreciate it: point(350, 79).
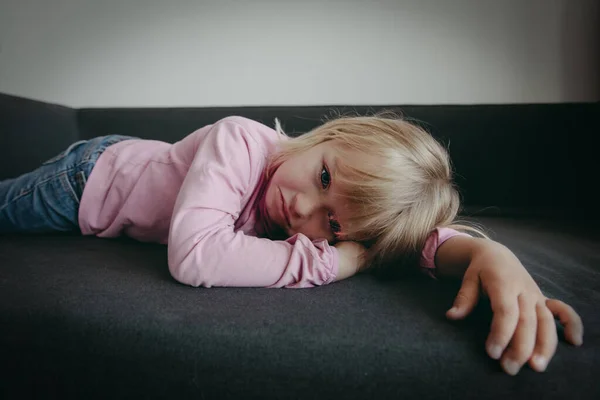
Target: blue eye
point(325, 178)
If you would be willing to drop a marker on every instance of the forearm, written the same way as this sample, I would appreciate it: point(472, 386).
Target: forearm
point(350, 259)
point(455, 255)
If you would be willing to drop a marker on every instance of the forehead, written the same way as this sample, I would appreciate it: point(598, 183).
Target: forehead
point(331, 151)
point(342, 159)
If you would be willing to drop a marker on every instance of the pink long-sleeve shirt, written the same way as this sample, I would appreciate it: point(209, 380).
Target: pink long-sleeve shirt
point(201, 197)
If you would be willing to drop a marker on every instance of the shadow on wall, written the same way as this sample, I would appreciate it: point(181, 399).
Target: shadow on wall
point(580, 50)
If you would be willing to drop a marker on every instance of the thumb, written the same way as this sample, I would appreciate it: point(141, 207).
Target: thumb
point(467, 296)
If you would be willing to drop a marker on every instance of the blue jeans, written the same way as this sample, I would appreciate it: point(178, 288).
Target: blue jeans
point(47, 199)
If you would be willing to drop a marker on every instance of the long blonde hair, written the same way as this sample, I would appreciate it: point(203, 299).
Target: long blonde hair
point(397, 198)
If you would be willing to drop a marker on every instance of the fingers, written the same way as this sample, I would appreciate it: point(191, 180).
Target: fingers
point(533, 337)
point(524, 338)
point(569, 319)
point(546, 337)
point(504, 321)
point(467, 297)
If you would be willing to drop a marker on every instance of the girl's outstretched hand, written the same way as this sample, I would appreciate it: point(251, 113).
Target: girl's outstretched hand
point(523, 328)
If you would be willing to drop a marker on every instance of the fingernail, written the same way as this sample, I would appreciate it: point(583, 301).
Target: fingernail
point(453, 310)
point(495, 351)
point(511, 367)
point(540, 362)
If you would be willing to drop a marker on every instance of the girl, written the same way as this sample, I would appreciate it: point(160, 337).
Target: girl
point(240, 204)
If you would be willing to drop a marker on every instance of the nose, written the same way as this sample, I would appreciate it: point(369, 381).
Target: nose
point(303, 206)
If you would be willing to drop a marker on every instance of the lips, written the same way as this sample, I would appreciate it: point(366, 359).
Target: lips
point(284, 211)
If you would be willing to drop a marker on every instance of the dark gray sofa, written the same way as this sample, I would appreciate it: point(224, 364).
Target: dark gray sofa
point(85, 317)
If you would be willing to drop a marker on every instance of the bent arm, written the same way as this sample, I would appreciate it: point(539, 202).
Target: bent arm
point(205, 250)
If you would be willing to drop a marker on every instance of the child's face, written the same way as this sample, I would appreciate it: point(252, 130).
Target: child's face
point(301, 196)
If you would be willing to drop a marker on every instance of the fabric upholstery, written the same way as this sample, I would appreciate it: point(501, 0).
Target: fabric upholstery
point(31, 132)
point(86, 317)
point(93, 316)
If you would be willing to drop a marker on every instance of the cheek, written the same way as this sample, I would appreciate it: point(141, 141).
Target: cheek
point(278, 176)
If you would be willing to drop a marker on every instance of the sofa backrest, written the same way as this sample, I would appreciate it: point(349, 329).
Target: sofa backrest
point(510, 159)
point(31, 132)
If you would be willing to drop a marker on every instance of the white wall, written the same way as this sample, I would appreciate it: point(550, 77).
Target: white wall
point(88, 53)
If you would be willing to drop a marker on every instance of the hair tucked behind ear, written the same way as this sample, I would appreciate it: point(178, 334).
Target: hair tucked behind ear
point(399, 191)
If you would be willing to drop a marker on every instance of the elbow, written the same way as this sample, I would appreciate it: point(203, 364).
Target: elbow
point(185, 271)
point(177, 272)
point(196, 261)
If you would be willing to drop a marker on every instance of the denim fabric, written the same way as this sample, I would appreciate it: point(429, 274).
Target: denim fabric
point(47, 199)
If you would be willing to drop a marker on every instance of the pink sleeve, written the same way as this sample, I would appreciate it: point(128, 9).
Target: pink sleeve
point(434, 241)
point(204, 249)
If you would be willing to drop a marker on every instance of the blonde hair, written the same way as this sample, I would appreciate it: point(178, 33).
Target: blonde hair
point(399, 195)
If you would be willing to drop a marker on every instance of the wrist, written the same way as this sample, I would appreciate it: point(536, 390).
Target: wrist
point(454, 256)
point(350, 259)
point(489, 253)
